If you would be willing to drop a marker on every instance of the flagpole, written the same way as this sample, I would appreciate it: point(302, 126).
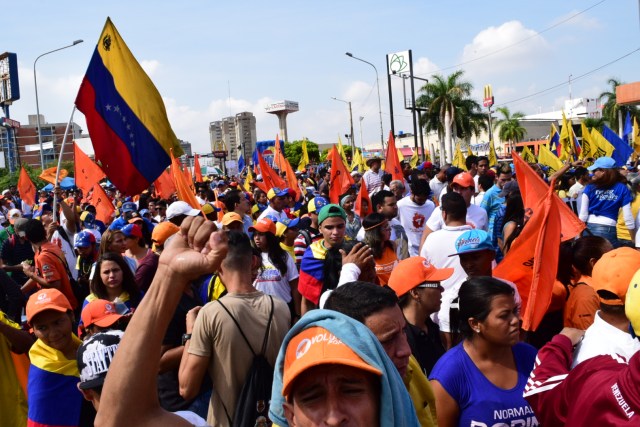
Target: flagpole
point(64, 140)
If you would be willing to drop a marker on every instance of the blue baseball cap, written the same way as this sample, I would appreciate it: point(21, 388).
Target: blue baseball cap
point(84, 239)
point(277, 192)
point(602, 163)
point(473, 241)
point(316, 204)
point(129, 207)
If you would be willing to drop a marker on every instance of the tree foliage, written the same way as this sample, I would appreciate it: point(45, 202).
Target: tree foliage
point(293, 152)
point(509, 127)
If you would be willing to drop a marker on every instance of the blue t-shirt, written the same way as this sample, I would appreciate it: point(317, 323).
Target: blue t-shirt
point(608, 201)
point(491, 202)
point(482, 403)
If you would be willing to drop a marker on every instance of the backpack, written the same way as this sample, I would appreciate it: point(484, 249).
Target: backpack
point(252, 406)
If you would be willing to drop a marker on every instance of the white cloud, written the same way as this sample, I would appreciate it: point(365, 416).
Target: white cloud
point(582, 21)
point(493, 51)
point(150, 66)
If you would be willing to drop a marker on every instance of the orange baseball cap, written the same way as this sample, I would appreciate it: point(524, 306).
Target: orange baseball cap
point(163, 231)
point(230, 217)
point(47, 299)
point(613, 272)
point(414, 271)
point(464, 180)
point(264, 225)
point(101, 313)
point(317, 346)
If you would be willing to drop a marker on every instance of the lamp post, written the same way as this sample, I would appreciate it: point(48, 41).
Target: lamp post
point(349, 54)
point(361, 144)
point(35, 82)
point(350, 121)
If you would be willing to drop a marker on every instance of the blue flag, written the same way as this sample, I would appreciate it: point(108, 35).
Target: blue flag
point(621, 151)
point(254, 158)
point(241, 163)
point(628, 128)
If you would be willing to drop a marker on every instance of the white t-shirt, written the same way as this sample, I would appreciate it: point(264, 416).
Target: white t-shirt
point(476, 218)
point(575, 194)
point(601, 338)
point(436, 187)
point(477, 199)
point(67, 248)
point(270, 280)
point(413, 218)
point(272, 212)
point(437, 248)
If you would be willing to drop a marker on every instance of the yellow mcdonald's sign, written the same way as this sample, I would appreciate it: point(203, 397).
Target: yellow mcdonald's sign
point(488, 96)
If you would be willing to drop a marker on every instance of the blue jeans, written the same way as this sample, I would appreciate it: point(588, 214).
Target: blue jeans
point(606, 231)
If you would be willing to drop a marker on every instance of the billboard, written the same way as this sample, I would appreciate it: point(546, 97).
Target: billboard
point(398, 63)
point(289, 106)
point(9, 85)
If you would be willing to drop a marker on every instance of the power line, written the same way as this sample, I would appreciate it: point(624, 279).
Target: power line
point(521, 41)
point(559, 85)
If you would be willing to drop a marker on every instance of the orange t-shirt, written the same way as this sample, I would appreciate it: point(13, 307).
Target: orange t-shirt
point(581, 307)
point(385, 265)
point(50, 266)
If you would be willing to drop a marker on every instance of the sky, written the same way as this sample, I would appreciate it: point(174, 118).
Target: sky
point(213, 59)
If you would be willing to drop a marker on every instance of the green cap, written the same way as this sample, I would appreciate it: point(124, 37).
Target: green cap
point(331, 210)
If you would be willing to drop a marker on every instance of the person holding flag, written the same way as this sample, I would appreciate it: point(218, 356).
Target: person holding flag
point(602, 200)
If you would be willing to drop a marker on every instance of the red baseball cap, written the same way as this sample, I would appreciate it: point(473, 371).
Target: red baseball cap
point(46, 299)
point(264, 225)
point(464, 180)
point(101, 313)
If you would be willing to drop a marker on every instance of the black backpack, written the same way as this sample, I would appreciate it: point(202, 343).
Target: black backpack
point(252, 406)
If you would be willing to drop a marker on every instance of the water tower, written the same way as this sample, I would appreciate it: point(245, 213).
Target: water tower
point(282, 109)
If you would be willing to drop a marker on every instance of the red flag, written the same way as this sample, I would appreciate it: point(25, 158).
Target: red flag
point(26, 188)
point(104, 206)
point(532, 261)
point(164, 185)
point(49, 175)
point(182, 184)
point(392, 161)
point(196, 166)
point(87, 173)
point(341, 180)
point(363, 196)
point(534, 189)
point(269, 176)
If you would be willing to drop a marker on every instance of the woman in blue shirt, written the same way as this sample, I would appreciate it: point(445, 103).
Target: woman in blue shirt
point(602, 200)
point(481, 380)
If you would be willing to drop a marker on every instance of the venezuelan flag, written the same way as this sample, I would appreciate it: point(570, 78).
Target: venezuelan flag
point(126, 117)
point(54, 399)
point(312, 272)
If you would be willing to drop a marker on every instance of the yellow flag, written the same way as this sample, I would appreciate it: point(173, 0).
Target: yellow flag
point(567, 139)
point(414, 159)
point(493, 159)
point(458, 159)
point(342, 154)
point(547, 158)
point(247, 180)
point(603, 148)
point(469, 152)
point(528, 156)
point(304, 160)
point(636, 136)
point(588, 148)
point(400, 155)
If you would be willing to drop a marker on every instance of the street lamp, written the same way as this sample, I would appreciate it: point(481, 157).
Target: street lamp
point(353, 147)
point(35, 81)
point(349, 54)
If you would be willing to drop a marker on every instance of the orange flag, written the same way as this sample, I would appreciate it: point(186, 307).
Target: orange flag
point(269, 176)
point(278, 157)
point(292, 179)
point(182, 184)
point(363, 196)
point(104, 206)
point(341, 180)
point(532, 261)
point(534, 189)
point(87, 173)
point(188, 177)
point(26, 188)
point(392, 161)
point(196, 166)
point(164, 185)
point(49, 175)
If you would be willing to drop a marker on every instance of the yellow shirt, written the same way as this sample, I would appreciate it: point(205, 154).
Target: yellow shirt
point(288, 249)
point(421, 394)
point(13, 403)
point(621, 229)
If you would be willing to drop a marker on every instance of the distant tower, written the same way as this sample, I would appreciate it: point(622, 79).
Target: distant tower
point(282, 109)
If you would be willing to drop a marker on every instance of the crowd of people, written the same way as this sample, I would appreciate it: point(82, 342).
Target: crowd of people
point(377, 310)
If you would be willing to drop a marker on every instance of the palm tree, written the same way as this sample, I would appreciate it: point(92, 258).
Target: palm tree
point(443, 97)
point(509, 127)
point(611, 111)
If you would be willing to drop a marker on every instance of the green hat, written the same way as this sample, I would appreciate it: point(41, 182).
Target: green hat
point(329, 211)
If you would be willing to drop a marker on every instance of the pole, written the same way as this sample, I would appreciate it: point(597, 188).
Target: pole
point(490, 128)
point(35, 82)
point(393, 130)
point(349, 54)
point(413, 102)
point(361, 143)
point(64, 140)
point(353, 145)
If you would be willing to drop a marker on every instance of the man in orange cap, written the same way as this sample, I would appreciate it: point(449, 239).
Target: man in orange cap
point(417, 285)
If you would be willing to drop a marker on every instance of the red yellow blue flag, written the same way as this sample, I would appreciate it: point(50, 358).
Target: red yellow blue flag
point(126, 117)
